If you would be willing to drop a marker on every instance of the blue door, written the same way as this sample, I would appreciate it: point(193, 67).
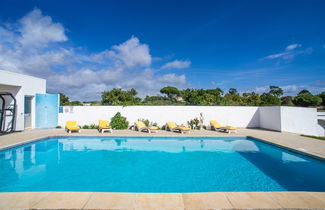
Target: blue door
point(47, 106)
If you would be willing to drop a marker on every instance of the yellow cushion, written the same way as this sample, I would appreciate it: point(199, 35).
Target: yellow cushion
point(215, 124)
point(72, 125)
point(153, 128)
point(172, 125)
point(184, 128)
point(140, 124)
point(104, 124)
point(105, 127)
point(230, 127)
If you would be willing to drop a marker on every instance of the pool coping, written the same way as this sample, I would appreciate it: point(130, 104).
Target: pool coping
point(212, 200)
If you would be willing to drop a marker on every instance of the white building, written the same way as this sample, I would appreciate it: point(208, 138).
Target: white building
point(24, 88)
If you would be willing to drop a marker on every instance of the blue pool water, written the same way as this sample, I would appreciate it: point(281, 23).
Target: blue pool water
point(116, 164)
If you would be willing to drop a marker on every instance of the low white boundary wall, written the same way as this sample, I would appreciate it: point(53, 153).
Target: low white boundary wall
point(236, 116)
point(289, 119)
point(270, 117)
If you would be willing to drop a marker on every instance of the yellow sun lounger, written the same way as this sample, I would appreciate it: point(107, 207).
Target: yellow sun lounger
point(104, 126)
point(171, 126)
point(140, 126)
point(218, 127)
point(72, 126)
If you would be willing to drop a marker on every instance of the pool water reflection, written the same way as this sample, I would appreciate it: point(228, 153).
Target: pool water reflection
point(138, 164)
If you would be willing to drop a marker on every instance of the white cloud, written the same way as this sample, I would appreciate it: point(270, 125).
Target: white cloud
point(173, 78)
point(131, 53)
point(176, 64)
point(279, 55)
point(292, 90)
point(38, 30)
point(293, 46)
point(35, 45)
point(261, 90)
point(288, 54)
point(288, 89)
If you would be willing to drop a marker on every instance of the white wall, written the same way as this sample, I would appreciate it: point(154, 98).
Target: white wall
point(321, 123)
point(289, 119)
point(270, 117)
point(227, 115)
point(20, 85)
point(299, 120)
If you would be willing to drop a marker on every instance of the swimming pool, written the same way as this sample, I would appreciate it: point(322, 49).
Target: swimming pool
point(142, 164)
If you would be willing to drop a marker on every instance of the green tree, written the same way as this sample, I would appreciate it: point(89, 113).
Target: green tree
point(201, 96)
point(304, 91)
point(276, 91)
point(117, 96)
point(75, 103)
point(272, 98)
point(268, 99)
point(214, 96)
point(322, 96)
point(191, 96)
point(233, 91)
point(287, 101)
point(232, 98)
point(171, 92)
point(251, 99)
point(64, 100)
point(156, 100)
point(305, 99)
point(119, 122)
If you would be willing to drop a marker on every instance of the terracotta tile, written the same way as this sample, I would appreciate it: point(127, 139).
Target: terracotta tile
point(297, 200)
point(246, 200)
point(64, 200)
point(111, 201)
point(22, 200)
point(217, 200)
point(159, 201)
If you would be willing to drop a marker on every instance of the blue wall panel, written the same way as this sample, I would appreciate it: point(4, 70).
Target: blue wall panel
point(47, 106)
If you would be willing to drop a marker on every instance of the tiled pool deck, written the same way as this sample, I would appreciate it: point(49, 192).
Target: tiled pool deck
point(215, 200)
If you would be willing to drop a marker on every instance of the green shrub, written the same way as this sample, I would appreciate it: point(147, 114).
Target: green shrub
point(154, 124)
point(194, 124)
point(163, 127)
point(59, 126)
point(119, 122)
point(93, 126)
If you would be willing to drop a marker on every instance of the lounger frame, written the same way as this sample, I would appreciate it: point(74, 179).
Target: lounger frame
point(176, 129)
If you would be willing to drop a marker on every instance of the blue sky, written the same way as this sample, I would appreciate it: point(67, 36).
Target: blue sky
point(91, 46)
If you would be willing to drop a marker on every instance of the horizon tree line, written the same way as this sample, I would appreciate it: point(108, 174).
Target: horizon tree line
point(204, 97)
